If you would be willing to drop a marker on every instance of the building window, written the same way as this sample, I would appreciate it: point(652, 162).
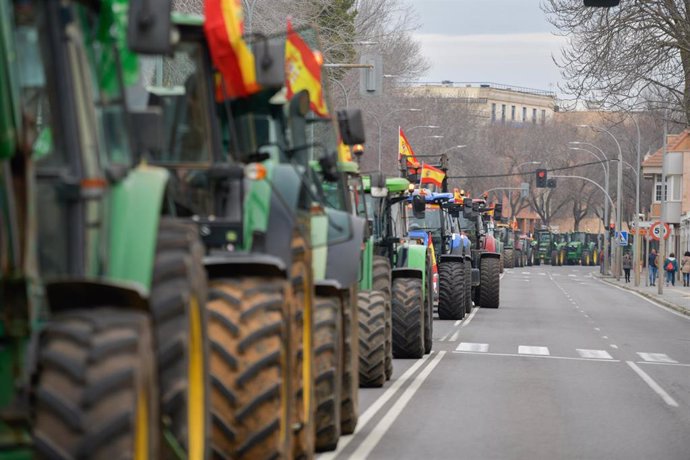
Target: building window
point(543, 116)
point(503, 113)
point(524, 114)
point(512, 113)
point(658, 186)
point(534, 115)
point(493, 111)
point(673, 183)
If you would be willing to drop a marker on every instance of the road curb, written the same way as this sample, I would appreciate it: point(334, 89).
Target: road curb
point(665, 303)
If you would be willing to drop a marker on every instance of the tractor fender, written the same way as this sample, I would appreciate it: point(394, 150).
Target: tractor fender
point(407, 273)
point(489, 255)
point(489, 244)
point(229, 264)
point(265, 229)
point(64, 294)
point(343, 263)
point(452, 258)
point(327, 288)
point(135, 209)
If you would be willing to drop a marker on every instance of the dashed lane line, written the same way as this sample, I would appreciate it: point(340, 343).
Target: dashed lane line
point(652, 384)
point(454, 337)
point(516, 355)
point(656, 358)
point(378, 405)
point(469, 319)
point(475, 347)
point(531, 350)
point(376, 434)
point(598, 354)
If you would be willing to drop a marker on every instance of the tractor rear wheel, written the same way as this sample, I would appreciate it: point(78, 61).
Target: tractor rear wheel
point(248, 363)
point(468, 286)
point(96, 394)
point(382, 282)
point(509, 257)
point(372, 335)
point(328, 356)
point(451, 291)
point(349, 399)
point(178, 305)
point(429, 308)
point(408, 318)
point(489, 287)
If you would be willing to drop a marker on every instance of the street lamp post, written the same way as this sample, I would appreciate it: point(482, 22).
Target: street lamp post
point(619, 197)
point(607, 174)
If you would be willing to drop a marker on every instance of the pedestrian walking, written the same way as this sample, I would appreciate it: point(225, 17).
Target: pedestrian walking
point(627, 265)
point(685, 268)
point(652, 267)
point(671, 267)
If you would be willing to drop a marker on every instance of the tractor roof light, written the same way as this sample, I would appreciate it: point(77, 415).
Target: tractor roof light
point(255, 171)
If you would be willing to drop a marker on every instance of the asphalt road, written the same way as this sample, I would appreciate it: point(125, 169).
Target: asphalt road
point(567, 368)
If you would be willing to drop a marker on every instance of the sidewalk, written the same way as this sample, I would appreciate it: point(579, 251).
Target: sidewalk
point(676, 298)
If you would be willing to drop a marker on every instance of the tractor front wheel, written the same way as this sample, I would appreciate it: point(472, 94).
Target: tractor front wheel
point(349, 399)
point(382, 282)
point(489, 287)
point(96, 394)
point(509, 256)
point(451, 287)
point(408, 318)
point(372, 334)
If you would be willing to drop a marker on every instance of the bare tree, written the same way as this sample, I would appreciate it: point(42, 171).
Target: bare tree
point(638, 51)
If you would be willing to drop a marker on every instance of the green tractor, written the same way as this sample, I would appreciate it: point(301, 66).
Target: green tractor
point(105, 284)
point(271, 223)
point(548, 247)
point(512, 250)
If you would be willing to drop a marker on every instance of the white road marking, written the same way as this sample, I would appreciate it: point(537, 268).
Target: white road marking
point(594, 354)
point(597, 329)
point(457, 323)
point(454, 337)
point(586, 315)
point(475, 347)
point(656, 358)
point(604, 336)
point(614, 346)
point(556, 274)
point(467, 320)
point(542, 273)
point(377, 405)
point(529, 350)
point(664, 364)
point(573, 276)
point(526, 273)
point(376, 434)
point(515, 355)
point(652, 384)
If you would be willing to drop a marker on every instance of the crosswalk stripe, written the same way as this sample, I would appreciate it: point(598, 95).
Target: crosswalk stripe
point(476, 347)
point(529, 350)
point(656, 358)
point(595, 354)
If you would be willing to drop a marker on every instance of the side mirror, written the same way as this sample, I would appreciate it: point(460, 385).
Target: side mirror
point(147, 138)
point(269, 62)
point(149, 28)
point(418, 206)
point(351, 126)
point(498, 211)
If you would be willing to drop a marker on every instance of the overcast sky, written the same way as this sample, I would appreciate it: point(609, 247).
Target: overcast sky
point(500, 41)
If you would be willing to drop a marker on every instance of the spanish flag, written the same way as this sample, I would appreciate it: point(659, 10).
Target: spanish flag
point(303, 71)
point(224, 26)
point(405, 150)
point(431, 175)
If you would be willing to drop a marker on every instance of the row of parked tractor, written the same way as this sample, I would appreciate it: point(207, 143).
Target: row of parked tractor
point(547, 247)
point(190, 273)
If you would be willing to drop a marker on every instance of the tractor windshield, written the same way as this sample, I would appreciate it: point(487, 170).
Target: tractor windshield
point(430, 223)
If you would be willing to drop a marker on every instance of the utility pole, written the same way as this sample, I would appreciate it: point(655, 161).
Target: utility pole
point(661, 257)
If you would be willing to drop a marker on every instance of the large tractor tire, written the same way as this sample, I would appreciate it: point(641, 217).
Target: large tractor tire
point(372, 339)
point(178, 305)
point(509, 258)
point(382, 282)
point(408, 318)
point(501, 264)
point(328, 356)
point(301, 350)
point(96, 394)
point(246, 329)
point(489, 287)
point(429, 309)
point(468, 286)
point(349, 394)
point(451, 291)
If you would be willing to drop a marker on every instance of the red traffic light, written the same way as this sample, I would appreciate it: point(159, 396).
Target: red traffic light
point(541, 173)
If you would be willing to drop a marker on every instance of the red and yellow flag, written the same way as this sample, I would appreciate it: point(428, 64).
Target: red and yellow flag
point(224, 26)
point(303, 71)
point(405, 150)
point(431, 175)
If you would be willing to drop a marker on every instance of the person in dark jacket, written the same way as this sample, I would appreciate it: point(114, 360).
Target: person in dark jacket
point(627, 265)
point(652, 267)
point(671, 267)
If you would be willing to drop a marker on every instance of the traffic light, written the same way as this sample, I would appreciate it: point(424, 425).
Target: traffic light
point(551, 183)
point(541, 178)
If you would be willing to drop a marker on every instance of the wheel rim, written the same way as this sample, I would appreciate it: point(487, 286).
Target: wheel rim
point(197, 398)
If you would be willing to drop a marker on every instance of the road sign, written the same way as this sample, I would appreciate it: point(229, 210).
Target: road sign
point(524, 190)
point(622, 238)
point(659, 230)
